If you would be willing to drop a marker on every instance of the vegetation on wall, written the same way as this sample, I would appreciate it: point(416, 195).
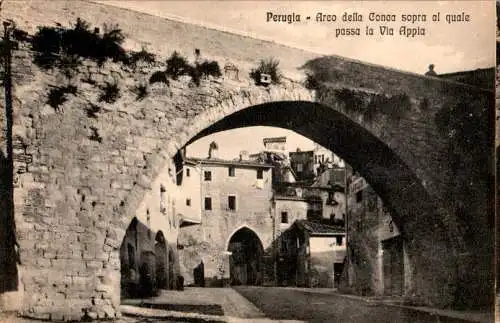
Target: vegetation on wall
point(142, 56)
point(159, 77)
point(57, 95)
point(51, 44)
point(141, 91)
point(177, 65)
point(110, 93)
point(266, 66)
point(92, 110)
point(352, 100)
point(395, 106)
point(374, 104)
point(94, 136)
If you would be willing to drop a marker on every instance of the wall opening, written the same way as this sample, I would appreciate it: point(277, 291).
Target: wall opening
point(245, 262)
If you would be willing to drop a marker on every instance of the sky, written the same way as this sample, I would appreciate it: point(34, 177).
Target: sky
point(450, 45)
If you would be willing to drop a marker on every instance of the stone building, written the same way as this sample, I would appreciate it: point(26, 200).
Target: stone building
point(302, 163)
point(377, 261)
point(236, 220)
point(276, 144)
point(148, 252)
point(312, 254)
point(324, 157)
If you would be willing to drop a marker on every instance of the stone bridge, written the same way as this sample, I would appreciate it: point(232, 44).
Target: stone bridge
point(82, 172)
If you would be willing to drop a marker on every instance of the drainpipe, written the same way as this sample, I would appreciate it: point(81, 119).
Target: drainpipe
point(346, 226)
point(275, 256)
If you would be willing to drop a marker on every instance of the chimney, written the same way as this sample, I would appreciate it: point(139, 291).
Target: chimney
point(244, 155)
point(212, 150)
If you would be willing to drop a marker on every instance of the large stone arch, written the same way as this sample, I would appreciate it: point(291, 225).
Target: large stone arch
point(416, 210)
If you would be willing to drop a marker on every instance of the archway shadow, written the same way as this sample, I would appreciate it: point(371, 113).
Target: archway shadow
point(8, 253)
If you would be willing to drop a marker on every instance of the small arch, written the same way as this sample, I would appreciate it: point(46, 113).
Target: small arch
point(246, 259)
point(243, 226)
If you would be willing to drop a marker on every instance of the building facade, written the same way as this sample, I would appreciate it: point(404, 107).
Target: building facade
point(377, 260)
point(311, 255)
point(236, 220)
point(148, 252)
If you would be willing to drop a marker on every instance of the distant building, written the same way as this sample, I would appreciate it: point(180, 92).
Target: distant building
point(325, 158)
point(277, 144)
point(302, 163)
point(235, 232)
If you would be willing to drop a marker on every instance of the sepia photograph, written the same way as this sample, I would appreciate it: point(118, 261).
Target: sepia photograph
point(249, 161)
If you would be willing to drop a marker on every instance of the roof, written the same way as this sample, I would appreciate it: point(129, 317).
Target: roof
point(274, 139)
point(319, 229)
point(290, 198)
point(216, 161)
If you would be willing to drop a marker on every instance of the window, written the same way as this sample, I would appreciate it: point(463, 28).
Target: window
point(299, 167)
point(231, 172)
point(163, 208)
point(208, 203)
point(284, 217)
point(188, 202)
point(339, 240)
point(359, 196)
point(188, 172)
point(284, 247)
point(208, 175)
point(260, 174)
point(231, 202)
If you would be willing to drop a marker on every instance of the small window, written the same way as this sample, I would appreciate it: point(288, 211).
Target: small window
point(188, 172)
point(208, 175)
point(299, 167)
point(188, 202)
point(284, 247)
point(208, 203)
point(284, 217)
point(359, 196)
point(339, 240)
point(231, 202)
point(231, 172)
point(260, 174)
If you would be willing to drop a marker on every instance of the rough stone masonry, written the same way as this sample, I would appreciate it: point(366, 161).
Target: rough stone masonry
point(80, 176)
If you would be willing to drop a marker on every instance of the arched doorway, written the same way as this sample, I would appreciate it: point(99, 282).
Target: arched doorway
point(161, 261)
point(129, 261)
point(245, 262)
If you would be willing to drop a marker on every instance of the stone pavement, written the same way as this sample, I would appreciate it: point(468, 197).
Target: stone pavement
point(469, 316)
point(196, 305)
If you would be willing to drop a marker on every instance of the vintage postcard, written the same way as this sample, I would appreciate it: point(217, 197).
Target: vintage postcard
point(248, 161)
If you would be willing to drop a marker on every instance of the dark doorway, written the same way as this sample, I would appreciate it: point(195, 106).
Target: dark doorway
point(245, 262)
point(161, 261)
point(199, 275)
point(129, 261)
point(393, 266)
